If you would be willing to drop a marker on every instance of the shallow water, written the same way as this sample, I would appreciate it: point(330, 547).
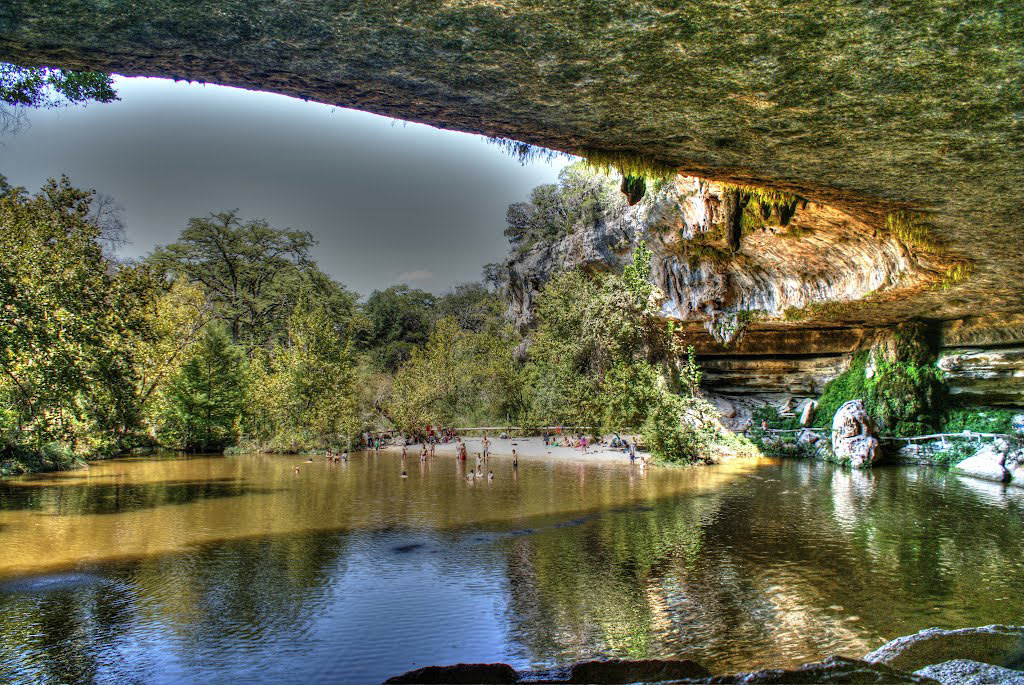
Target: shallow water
point(215, 569)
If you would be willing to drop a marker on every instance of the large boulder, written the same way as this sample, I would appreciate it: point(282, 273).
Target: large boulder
point(988, 463)
point(852, 439)
point(996, 644)
point(967, 672)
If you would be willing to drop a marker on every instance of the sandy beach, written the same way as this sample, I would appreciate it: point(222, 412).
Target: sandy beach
point(528, 448)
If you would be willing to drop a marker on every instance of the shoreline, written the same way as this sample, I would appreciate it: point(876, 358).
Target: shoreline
point(532, 448)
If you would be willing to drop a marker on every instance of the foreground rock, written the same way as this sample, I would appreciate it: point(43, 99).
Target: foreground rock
point(835, 669)
point(996, 644)
point(459, 674)
point(852, 439)
point(966, 672)
point(620, 672)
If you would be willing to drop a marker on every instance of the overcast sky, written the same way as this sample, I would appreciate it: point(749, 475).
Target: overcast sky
point(388, 201)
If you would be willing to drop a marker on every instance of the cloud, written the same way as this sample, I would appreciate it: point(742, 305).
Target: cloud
point(419, 275)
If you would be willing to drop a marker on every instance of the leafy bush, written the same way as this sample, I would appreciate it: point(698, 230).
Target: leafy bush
point(978, 420)
point(680, 430)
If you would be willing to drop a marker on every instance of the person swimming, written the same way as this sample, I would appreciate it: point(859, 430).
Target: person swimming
point(404, 474)
point(490, 475)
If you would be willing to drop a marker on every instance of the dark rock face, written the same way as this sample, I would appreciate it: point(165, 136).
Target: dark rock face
point(835, 669)
point(459, 674)
point(995, 644)
point(620, 672)
point(812, 99)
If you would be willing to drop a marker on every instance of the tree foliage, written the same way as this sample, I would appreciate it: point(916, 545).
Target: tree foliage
point(580, 198)
point(400, 319)
point(33, 87)
point(68, 320)
point(205, 398)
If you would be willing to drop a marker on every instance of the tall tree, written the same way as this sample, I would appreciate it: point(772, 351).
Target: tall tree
point(66, 320)
point(251, 271)
point(206, 397)
point(400, 320)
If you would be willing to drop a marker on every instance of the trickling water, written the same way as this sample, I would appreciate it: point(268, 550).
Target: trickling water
point(238, 568)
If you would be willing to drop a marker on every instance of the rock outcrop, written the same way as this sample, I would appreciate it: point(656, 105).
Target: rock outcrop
point(990, 376)
point(816, 254)
point(999, 645)
point(808, 100)
point(967, 672)
point(853, 441)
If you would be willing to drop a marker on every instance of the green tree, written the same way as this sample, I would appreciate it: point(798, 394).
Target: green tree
point(400, 319)
point(580, 198)
point(67, 322)
point(303, 391)
point(472, 305)
point(206, 397)
point(459, 376)
point(22, 87)
point(252, 272)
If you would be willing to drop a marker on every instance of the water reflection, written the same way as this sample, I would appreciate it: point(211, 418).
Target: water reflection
point(352, 573)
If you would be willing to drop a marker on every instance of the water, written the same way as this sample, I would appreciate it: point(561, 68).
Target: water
point(226, 569)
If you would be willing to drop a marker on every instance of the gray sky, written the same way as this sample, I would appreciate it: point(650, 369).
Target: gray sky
point(388, 201)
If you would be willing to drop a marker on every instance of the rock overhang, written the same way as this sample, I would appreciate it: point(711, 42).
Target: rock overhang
point(868, 107)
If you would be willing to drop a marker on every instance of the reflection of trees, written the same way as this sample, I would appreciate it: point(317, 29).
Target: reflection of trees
point(584, 590)
point(771, 572)
point(244, 590)
point(119, 497)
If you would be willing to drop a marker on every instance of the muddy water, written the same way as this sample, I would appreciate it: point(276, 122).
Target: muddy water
point(215, 569)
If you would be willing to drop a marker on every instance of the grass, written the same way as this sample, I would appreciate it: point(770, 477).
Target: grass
point(911, 229)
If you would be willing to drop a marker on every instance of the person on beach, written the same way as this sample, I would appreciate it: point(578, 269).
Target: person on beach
point(583, 444)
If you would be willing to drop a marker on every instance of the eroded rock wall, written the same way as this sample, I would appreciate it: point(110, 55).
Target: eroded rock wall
point(820, 255)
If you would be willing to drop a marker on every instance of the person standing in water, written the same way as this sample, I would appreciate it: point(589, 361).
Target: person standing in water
point(515, 459)
point(487, 446)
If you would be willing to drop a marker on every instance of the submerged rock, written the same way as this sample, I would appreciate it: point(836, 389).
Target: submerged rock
point(966, 672)
point(458, 674)
point(852, 439)
point(996, 644)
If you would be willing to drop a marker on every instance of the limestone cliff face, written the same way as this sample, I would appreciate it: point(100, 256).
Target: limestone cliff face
point(817, 255)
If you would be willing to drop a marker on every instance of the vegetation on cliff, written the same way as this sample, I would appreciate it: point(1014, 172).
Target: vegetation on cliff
point(898, 382)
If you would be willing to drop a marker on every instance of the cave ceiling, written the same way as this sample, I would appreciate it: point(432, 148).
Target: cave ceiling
point(865, 105)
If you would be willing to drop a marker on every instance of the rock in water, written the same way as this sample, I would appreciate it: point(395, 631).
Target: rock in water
point(986, 463)
point(852, 439)
point(996, 644)
point(619, 672)
point(966, 672)
point(459, 673)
